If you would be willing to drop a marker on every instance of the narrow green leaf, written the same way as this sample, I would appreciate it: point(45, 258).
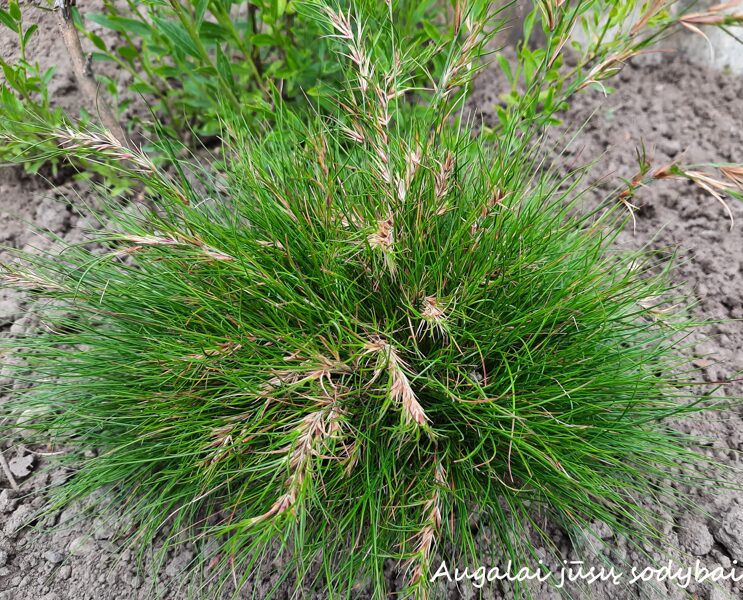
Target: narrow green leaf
point(128, 53)
point(209, 31)
point(8, 21)
point(97, 41)
point(224, 68)
point(262, 39)
point(47, 76)
point(121, 24)
point(177, 35)
point(505, 67)
point(201, 6)
point(14, 10)
point(100, 56)
point(142, 87)
point(29, 32)
point(77, 18)
point(10, 75)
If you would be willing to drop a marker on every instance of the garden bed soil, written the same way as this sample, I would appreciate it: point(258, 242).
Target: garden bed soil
point(679, 112)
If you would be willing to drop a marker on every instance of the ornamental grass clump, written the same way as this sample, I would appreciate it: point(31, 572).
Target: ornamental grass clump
point(366, 329)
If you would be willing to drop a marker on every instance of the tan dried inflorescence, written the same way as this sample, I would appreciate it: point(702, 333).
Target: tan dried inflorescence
point(315, 431)
point(426, 537)
point(401, 392)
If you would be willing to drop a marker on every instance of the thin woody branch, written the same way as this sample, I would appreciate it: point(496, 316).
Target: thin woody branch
point(83, 72)
point(8, 473)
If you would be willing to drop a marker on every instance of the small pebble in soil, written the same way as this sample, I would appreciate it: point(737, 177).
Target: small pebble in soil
point(82, 546)
point(8, 501)
point(694, 536)
point(104, 533)
point(64, 572)
point(730, 532)
point(54, 557)
point(706, 349)
point(132, 580)
point(10, 308)
point(21, 466)
point(20, 517)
